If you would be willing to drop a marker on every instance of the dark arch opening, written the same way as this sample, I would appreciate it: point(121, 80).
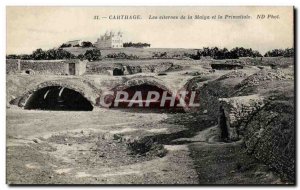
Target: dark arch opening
point(145, 89)
point(223, 124)
point(118, 72)
point(58, 98)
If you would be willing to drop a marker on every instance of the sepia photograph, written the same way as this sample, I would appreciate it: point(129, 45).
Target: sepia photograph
point(150, 95)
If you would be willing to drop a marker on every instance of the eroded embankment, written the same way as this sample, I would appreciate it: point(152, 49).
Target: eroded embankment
point(270, 136)
point(258, 109)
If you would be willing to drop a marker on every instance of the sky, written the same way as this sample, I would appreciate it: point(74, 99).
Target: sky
point(29, 28)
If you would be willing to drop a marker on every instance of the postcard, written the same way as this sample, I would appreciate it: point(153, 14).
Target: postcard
point(150, 95)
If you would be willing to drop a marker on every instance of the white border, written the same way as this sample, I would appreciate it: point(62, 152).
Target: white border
point(5, 3)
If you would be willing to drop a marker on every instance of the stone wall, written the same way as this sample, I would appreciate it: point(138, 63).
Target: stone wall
point(80, 67)
point(157, 68)
point(266, 126)
point(128, 69)
point(237, 111)
point(12, 66)
point(45, 67)
point(56, 67)
point(99, 70)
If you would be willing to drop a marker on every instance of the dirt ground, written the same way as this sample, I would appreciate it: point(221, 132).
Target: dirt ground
point(56, 147)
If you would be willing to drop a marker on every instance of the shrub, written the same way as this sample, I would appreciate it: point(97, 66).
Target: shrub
point(87, 44)
point(121, 55)
point(40, 54)
point(160, 55)
point(80, 56)
point(289, 52)
point(217, 53)
point(65, 45)
point(92, 55)
point(136, 45)
point(12, 56)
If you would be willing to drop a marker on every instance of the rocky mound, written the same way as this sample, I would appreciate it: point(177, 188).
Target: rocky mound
point(263, 81)
point(265, 75)
point(233, 74)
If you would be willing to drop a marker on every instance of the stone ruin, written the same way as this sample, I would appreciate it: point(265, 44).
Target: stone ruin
point(44, 67)
point(235, 112)
point(78, 67)
point(119, 69)
point(247, 112)
point(265, 126)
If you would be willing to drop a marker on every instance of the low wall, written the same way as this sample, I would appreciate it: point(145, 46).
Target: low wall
point(80, 67)
point(128, 69)
point(12, 66)
point(237, 111)
point(56, 67)
point(45, 67)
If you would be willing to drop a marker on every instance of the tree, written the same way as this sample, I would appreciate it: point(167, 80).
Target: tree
point(12, 56)
point(80, 56)
point(39, 54)
point(65, 45)
point(63, 54)
point(136, 45)
point(289, 52)
point(218, 53)
point(87, 44)
point(26, 57)
point(93, 55)
point(50, 54)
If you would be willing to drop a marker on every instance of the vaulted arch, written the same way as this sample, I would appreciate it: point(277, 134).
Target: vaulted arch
point(52, 92)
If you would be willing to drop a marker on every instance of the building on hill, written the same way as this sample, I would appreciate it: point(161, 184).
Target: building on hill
point(110, 40)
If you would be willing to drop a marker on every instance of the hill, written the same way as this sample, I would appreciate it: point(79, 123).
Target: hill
point(140, 52)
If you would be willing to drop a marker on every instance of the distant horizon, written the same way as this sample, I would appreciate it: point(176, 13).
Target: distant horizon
point(262, 53)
